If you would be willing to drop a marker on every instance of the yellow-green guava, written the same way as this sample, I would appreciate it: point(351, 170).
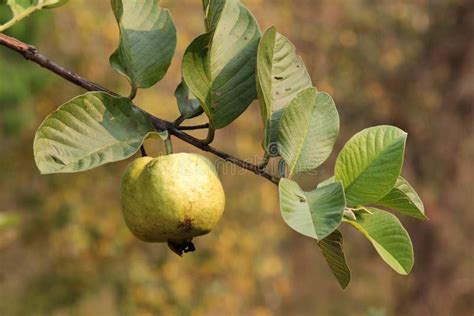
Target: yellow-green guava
point(172, 198)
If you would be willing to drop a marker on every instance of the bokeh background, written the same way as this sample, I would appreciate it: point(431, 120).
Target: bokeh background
point(65, 250)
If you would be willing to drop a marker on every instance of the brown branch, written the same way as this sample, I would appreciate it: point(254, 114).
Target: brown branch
point(31, 53)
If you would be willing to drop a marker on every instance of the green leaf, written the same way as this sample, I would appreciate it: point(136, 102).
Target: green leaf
point(315, 214)
point(370, 163)
point(219, 66)
point(308, 130)
point(404, 199)
point(389, 238)
point(19, 6)
point(188, 105)
point(281, 74)
point(88, 131)
point(326, 182)
point(333, 252)
point(147, 41)
point(23, 8)
point(52, 4)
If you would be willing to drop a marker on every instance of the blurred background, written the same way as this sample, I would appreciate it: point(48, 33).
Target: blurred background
point(65, 250)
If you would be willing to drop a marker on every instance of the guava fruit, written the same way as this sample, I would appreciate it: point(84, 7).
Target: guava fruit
point(172, 199)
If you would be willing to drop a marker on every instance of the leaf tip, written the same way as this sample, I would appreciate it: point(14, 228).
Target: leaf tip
point(344, 285)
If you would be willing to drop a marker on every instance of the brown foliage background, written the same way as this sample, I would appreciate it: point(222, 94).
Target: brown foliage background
point(64, 249)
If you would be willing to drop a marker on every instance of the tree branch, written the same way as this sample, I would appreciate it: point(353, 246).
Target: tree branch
point(31, 53)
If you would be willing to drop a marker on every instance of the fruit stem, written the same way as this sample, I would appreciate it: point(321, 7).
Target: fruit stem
point(143, 151)
point(168, 146)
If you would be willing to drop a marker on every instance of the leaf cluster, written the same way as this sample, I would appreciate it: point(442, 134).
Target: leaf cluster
point(223, 70)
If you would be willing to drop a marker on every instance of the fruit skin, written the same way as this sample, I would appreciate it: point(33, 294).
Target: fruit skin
point(171, 198)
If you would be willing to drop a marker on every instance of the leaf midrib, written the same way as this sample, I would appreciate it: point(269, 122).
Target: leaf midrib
point(372, 240)
point(302, 143)
point(371, 163)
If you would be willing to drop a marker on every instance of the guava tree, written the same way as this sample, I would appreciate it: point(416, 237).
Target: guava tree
point(178, 196)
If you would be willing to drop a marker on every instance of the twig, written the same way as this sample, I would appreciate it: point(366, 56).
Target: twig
point(179, 120)
point(31, 53)
point(193, 127)
point(133, 92)
point(264, 163)
point(211, 133)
